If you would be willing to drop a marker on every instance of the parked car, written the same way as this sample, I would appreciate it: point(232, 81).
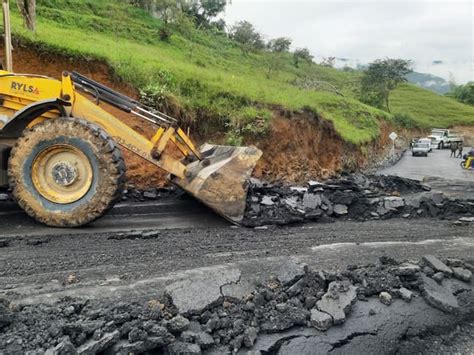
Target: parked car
point(443, 138)
point(427, 141)
point(420, 149)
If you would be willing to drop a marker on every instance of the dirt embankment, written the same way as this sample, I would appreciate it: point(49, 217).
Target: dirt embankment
point(298, 147)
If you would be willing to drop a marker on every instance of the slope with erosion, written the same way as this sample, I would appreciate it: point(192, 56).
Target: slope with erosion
point(223, 95)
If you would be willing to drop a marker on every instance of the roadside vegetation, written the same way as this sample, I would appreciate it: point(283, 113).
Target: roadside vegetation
point(225, 80)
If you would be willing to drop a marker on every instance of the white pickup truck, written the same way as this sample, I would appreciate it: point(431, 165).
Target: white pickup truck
point(442, 138)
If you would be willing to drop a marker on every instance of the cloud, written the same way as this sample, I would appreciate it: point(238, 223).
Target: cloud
point(424, 31)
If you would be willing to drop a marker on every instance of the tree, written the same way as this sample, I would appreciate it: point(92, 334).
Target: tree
point(382, 77)
point(328, 62)
point(464, 93)
point(281, 44)
point(303, 54)
point(203, 11)
point(27, 9)
point(247, 36)
point(168, 13)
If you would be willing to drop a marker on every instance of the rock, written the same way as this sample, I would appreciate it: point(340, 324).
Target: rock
point(182, 348)
point(311, 201)
point(203, 339)
point(65, 347)
point(393, 202)
point(340, 210)
point(6, 316)
point(338, 301)
point(291, 202)
point(437, 198)
point(136, 335)
point(466, 219)
point(436, 264)
point(267, 201)
point(414, 202)
point(277, 321)
point(438, 277)
point(299, 189)
point(4, 243)
point(250, 335)
point(123, 347)
point(407, 269)
point(150, 194)
point(255, 208)
point(453, 262)
point(320, 320)
point(178, 324)
point(462, 274)
point(428, 271)
point(296, 288)
point(150, 234)
point(437, 295)
point(405, 294)
point(385, 298)
point(256, 183)
point(96, 346)
point(381, 211)
point(290, 272)
point(188, 296)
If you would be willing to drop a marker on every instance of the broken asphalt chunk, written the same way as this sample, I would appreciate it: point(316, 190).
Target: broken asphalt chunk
point(337, 302)
point(438, 296)
point(436, 264)
point(320, 320)
point(462, 274)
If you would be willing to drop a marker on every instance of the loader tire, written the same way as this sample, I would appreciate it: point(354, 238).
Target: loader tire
point(66, 172)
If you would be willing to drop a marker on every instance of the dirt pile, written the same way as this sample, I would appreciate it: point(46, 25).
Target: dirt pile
point(357, 196)
point(295, 297)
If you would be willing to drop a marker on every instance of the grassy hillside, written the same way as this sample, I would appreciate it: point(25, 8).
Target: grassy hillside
point(429, 108)
point(208, 74)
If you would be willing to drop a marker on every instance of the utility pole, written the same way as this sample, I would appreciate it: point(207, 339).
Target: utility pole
point(8, 36)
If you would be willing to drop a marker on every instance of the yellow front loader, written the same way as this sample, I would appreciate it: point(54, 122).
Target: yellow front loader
point(59, 151)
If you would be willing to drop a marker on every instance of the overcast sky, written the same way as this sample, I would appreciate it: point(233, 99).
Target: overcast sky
point(361, 31)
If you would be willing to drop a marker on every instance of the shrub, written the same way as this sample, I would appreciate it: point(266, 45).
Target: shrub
point(405, 120)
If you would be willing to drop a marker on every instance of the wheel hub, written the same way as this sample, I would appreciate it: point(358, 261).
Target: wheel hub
point(64, 174)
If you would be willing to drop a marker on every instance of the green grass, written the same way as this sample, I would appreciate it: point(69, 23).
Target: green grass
point(431, 109)
point(207, 73)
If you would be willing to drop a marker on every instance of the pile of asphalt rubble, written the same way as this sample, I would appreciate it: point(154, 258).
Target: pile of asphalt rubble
point(315, 304)
point(356, 197)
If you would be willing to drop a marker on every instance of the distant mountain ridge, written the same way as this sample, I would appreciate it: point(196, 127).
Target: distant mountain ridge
point(429, 82)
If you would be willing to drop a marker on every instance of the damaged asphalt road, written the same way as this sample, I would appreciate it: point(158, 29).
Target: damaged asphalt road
point(126, 274)
point(372, 308)
point(170, 277)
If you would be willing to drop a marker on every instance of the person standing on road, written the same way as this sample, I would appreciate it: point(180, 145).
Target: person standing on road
point(460, 147)
point(453, 147)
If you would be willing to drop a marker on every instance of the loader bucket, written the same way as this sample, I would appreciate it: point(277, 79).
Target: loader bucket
point(220, 179)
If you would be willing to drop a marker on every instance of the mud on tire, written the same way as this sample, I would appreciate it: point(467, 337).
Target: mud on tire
point(104, 158)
